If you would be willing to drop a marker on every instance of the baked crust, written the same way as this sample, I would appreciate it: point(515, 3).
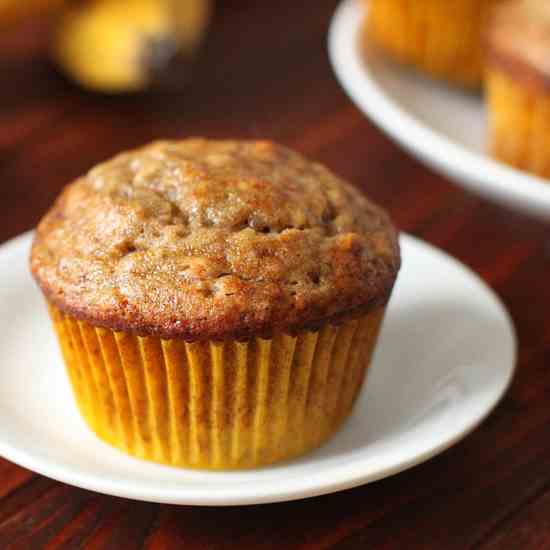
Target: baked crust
point(202, 239)
point(517, 41)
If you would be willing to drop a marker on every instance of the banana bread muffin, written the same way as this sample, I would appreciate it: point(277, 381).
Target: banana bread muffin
point(441, 38)
point(518, 84)
point(217, 302)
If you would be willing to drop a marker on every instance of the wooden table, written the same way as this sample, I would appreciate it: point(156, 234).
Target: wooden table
point(265, 73)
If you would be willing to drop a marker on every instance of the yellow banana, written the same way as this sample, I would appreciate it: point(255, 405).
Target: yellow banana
point(191, 18)
point(119, 45)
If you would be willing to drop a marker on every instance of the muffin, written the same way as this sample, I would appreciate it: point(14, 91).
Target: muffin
point(217, 302)
point(518, 84)
point(439, 37)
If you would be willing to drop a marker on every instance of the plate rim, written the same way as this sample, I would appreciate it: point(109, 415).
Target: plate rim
point(343, 476)
point(498, 182)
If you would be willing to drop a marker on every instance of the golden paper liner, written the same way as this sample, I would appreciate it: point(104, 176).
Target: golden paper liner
point(519, 123)
point(216, 405)
point(439, 37)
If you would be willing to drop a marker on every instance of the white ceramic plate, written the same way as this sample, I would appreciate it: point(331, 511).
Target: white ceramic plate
point(446, 356)
point(442, 126)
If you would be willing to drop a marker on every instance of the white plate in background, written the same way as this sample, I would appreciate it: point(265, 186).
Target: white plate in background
point(446, 356)
point(442, 126)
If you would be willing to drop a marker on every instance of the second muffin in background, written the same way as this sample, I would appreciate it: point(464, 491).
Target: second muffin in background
point(518, 84)
point(217, 302)
point(439, 37)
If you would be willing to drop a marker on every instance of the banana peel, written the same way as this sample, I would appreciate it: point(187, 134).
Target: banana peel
point(116, 46)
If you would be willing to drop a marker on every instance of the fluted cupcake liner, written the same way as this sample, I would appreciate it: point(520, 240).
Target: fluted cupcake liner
point(441, 38)
point(216, 405)
point(519, 122)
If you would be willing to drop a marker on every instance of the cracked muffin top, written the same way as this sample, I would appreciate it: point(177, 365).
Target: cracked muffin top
point(201, 239)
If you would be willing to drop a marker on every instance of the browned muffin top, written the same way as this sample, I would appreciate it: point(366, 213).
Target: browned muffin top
point(518, 39)
point(202, 239)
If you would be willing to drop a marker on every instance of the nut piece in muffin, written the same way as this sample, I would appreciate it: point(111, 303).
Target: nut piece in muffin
point(217, 302)
point(518, 84)
point(441, 38)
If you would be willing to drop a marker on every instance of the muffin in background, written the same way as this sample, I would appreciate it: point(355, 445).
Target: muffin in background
point(217, 302)
point(518, 84)
point(441, 38)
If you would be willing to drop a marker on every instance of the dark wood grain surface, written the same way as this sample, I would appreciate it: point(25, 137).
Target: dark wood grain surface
point(265, 73)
